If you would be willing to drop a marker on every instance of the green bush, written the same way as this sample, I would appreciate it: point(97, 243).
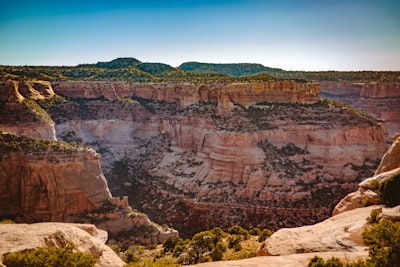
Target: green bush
point(266, 233)
point(384, 243)
point(373, 217)
point(46, 257)
point(170, 244)
point(389, 190)
point(6, 221)
point(218, 252)
point(234, 242)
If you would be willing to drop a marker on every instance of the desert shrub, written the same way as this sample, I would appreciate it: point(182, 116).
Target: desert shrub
point(389, 190)
point(234, 242)
point(170, 244)
point(65, 256)
point(218, 252)
point(255, 231)
point(7, 221)
point(373, 217)
point(238, 230)
point(383, 240)
point(266, 233)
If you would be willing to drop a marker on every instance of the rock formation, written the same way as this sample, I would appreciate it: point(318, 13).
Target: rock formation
point(381, 99)
point(49, 185)
point(186, 94)
point(86, 238)
point(19, 114)
point(195, 156)
point(343, 231)
point(43, 180)
point(198, 156)
point(367, 193)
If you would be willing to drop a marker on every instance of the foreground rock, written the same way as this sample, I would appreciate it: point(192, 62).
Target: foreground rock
point(341, 233)
point(294, 260)
point(44, 180)
point(367, 193)
point(86, 238)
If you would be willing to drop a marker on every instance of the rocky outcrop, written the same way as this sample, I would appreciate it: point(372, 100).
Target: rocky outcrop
point(381, 99)
point(15, 91)
point(49, 185)
point(339, 233)
point(367, 193)
point(86, 238)
point(43, 180)
point(19, 114)
point(186, 94)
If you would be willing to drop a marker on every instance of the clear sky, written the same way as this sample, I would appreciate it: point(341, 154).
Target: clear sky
point(288, 34)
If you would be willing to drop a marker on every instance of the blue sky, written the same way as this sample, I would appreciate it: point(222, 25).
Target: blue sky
point(288, 34)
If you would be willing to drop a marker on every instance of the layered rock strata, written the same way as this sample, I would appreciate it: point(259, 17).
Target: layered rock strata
point(43, 180)
point(19, 114)
point(186, 94)
point(381, 99)
point(220, 162)
point(367, 192)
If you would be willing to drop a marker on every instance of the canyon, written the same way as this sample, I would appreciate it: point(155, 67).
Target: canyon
point(194, 156)
point(380, 99)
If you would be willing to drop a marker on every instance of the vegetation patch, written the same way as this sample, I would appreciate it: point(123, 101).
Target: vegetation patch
point(389, 190)
point(212, 245)
point(13, 143)
point(62, 257)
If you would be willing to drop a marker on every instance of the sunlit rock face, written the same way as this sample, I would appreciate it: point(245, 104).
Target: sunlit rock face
point(381, 99)
point(51, 185)
point(198, 156)
point(19, 114)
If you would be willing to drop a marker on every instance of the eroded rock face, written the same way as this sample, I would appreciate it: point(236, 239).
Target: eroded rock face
point(51, 186)
point(42, 180)
point(367, 193)
point(381, 99)
point(186, 94)
point(86, 238)
point(22, 116)
point(200, 166)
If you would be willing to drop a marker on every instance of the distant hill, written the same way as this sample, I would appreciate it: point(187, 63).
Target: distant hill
point(132, 69)
point(234, 69)
point(121, 69)
point(121, 62)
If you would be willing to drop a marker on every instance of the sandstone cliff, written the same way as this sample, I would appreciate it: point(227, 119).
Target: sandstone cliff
point(367, 193)
point(381, 99)
point(343, 231)
point(186, 94)
point(43, 180)
point(19, 114)
point(48, 181)
point(85, 237)
point(197, 156)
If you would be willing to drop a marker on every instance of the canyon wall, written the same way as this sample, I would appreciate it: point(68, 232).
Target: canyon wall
point(381, 99)
point(50, 185)
point(186, 94)
point(20, 114)
point(196, 157)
